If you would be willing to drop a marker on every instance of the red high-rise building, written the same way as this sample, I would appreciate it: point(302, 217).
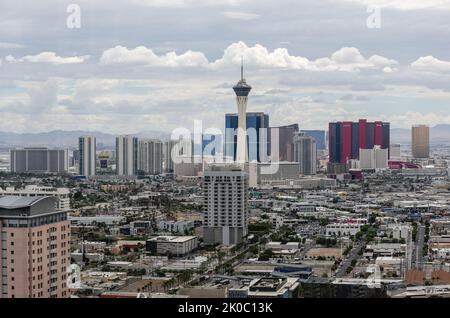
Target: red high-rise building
point(378, 133)
point(362, 133)
point(344, 138)
point(346, 141)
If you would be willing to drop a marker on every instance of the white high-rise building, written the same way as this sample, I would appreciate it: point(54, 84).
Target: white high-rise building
point(151, 156)
point(127, 155)
point(305, 153)
point(375, 158)
point(87, 160)
point(39, 160)
point(225, 193)
point(242, 89)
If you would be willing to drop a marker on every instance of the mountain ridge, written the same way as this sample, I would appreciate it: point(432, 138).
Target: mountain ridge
point(69, 138)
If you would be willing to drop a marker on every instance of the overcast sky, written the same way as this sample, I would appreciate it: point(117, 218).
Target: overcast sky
point(140, 65)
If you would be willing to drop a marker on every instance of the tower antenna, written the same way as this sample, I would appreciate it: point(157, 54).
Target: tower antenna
point(242, 68)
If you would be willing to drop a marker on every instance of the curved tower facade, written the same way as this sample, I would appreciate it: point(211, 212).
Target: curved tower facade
point(242, 89)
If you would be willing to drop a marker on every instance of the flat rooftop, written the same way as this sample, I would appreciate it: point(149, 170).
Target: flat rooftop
point(172, 239)
point(268, 283)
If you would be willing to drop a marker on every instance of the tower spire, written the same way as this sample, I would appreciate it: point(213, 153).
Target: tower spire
point(242, 68)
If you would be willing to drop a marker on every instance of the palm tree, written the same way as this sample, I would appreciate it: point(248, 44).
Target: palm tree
point(168, 283)
point(165, 285)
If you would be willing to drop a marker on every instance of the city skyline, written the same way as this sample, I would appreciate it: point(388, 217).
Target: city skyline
point(137, 160)
point(153, 76)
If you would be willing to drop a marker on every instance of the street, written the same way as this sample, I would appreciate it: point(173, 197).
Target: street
point(418, 254)
point(342, 271)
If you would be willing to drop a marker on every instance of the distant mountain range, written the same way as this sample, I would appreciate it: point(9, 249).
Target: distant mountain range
point(439, 134)
point(61, 138)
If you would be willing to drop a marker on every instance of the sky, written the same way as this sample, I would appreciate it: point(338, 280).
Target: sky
point(156, 65)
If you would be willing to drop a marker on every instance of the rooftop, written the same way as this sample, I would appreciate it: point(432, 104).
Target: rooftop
point(15, 202)
point(172, 239)
point(18, 206)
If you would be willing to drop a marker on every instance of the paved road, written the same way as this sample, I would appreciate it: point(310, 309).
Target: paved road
point(342, 271)
point(418, 254)
point(306, 247)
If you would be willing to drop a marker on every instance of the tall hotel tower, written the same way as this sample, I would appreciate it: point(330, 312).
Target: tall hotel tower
point(242, 89)
point(225, 193)
point(87, 162)
point(35, 240)
point(420, 141)
point(127, 155)
point(151, 156)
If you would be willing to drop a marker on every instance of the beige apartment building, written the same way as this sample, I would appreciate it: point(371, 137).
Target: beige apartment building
point(420, 141)
point(35, 243)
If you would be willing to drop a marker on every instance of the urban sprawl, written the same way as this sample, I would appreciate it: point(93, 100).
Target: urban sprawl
point(278, 212)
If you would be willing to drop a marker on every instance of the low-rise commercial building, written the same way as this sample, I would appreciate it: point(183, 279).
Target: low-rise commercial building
point(94, 220)
point(174, 245)
point(180, 227)
point(342, 229)
point(307, 183)
point(267, 287)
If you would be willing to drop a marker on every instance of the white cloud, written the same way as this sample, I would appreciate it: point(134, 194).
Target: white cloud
point(47, 57)
point(145, 56)
point(405, 4)
point(45, 96)
point(11, 59)
point(87, 88)
point(347, 59)
point(431, 64)
point(389, 69)
point(241, 15)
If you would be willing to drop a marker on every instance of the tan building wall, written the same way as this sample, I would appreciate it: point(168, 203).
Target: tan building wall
point(421, 141)
point(36, 260)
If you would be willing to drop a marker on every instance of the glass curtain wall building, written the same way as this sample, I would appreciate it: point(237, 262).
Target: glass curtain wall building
point(258, 139)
